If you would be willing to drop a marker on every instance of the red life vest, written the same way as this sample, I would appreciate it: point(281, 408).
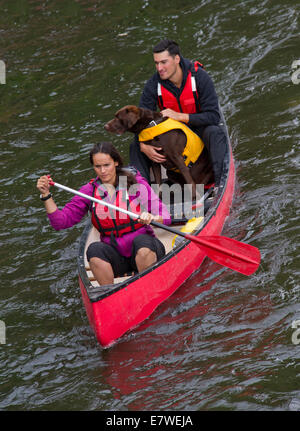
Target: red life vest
point(188, 101)
point(112, 222)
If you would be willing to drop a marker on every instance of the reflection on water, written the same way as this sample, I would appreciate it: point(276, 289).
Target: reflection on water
point(195, 340)
point(223, 340)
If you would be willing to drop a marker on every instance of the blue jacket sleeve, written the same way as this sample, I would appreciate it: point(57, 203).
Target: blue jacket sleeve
point(149, 96)
point(208, 99)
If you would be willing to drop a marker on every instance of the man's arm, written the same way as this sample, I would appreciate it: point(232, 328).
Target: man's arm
point(149, 96)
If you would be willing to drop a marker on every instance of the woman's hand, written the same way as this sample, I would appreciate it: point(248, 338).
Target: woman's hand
point(152, 153)
point(43, 185)
point(147, 218)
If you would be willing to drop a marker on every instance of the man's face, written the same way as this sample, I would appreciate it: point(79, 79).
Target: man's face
point(165, 64)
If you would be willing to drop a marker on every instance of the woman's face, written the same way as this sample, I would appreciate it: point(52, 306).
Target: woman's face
point(105, 168)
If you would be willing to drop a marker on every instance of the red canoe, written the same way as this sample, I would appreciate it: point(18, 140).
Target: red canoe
point(114, 310)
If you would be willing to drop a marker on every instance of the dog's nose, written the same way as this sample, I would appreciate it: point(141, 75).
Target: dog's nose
point(106, 126)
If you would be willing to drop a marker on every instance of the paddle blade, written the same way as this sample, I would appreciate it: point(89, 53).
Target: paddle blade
point(229, 252)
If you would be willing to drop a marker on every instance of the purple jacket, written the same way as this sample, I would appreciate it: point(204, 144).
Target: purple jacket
point(77, 208)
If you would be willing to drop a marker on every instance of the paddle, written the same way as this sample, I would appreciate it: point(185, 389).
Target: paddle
point(229, 252)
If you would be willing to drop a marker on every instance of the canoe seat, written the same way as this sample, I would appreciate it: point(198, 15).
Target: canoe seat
point(92, 278)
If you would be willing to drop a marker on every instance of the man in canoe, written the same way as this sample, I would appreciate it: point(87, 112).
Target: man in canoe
point(125, 244)
point(183, 91)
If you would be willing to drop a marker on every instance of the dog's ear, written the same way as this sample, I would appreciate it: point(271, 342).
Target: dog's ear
point(129, 115)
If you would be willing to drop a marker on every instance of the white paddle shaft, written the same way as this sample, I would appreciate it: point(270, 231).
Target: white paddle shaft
point(91, 198)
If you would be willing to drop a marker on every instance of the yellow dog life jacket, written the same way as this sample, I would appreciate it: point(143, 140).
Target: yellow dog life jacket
point(194, 145)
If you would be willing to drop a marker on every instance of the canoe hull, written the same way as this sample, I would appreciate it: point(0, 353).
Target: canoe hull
point(125, 309)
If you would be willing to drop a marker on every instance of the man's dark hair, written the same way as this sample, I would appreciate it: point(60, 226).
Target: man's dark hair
point(167, 45)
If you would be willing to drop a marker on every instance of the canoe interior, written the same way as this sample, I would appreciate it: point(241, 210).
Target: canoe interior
point(167, 238)
point(210, 208)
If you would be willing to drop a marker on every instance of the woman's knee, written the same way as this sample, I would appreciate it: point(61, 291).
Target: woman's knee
point(100, 263)
point(144, 253)
point(97, 250)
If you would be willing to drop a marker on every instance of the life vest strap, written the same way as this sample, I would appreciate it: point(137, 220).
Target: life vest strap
point(113, 225)
point(193, 86)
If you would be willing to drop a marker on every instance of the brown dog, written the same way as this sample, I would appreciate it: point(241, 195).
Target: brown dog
point(133, 119)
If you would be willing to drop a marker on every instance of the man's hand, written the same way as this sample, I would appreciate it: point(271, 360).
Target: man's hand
point(151, 153)
point(179, 116)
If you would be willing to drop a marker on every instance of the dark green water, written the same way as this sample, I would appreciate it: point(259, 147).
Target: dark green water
point(223, 341)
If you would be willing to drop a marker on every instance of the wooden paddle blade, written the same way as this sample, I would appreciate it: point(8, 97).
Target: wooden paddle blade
point(229, 252)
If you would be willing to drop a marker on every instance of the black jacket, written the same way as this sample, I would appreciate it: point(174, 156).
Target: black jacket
point(208, 99)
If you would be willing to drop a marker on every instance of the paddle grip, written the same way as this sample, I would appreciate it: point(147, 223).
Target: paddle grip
point(51, 182)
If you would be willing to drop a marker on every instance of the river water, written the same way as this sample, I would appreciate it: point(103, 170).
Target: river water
point(223, 341)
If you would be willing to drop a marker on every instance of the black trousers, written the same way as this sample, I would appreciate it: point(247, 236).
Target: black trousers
point(119, 263)
point(214, 140)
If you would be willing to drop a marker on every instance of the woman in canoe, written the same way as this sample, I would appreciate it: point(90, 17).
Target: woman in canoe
point(125, 244)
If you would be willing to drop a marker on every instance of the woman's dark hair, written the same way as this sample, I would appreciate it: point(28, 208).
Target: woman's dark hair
point(167, 45)
point(108, 148)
